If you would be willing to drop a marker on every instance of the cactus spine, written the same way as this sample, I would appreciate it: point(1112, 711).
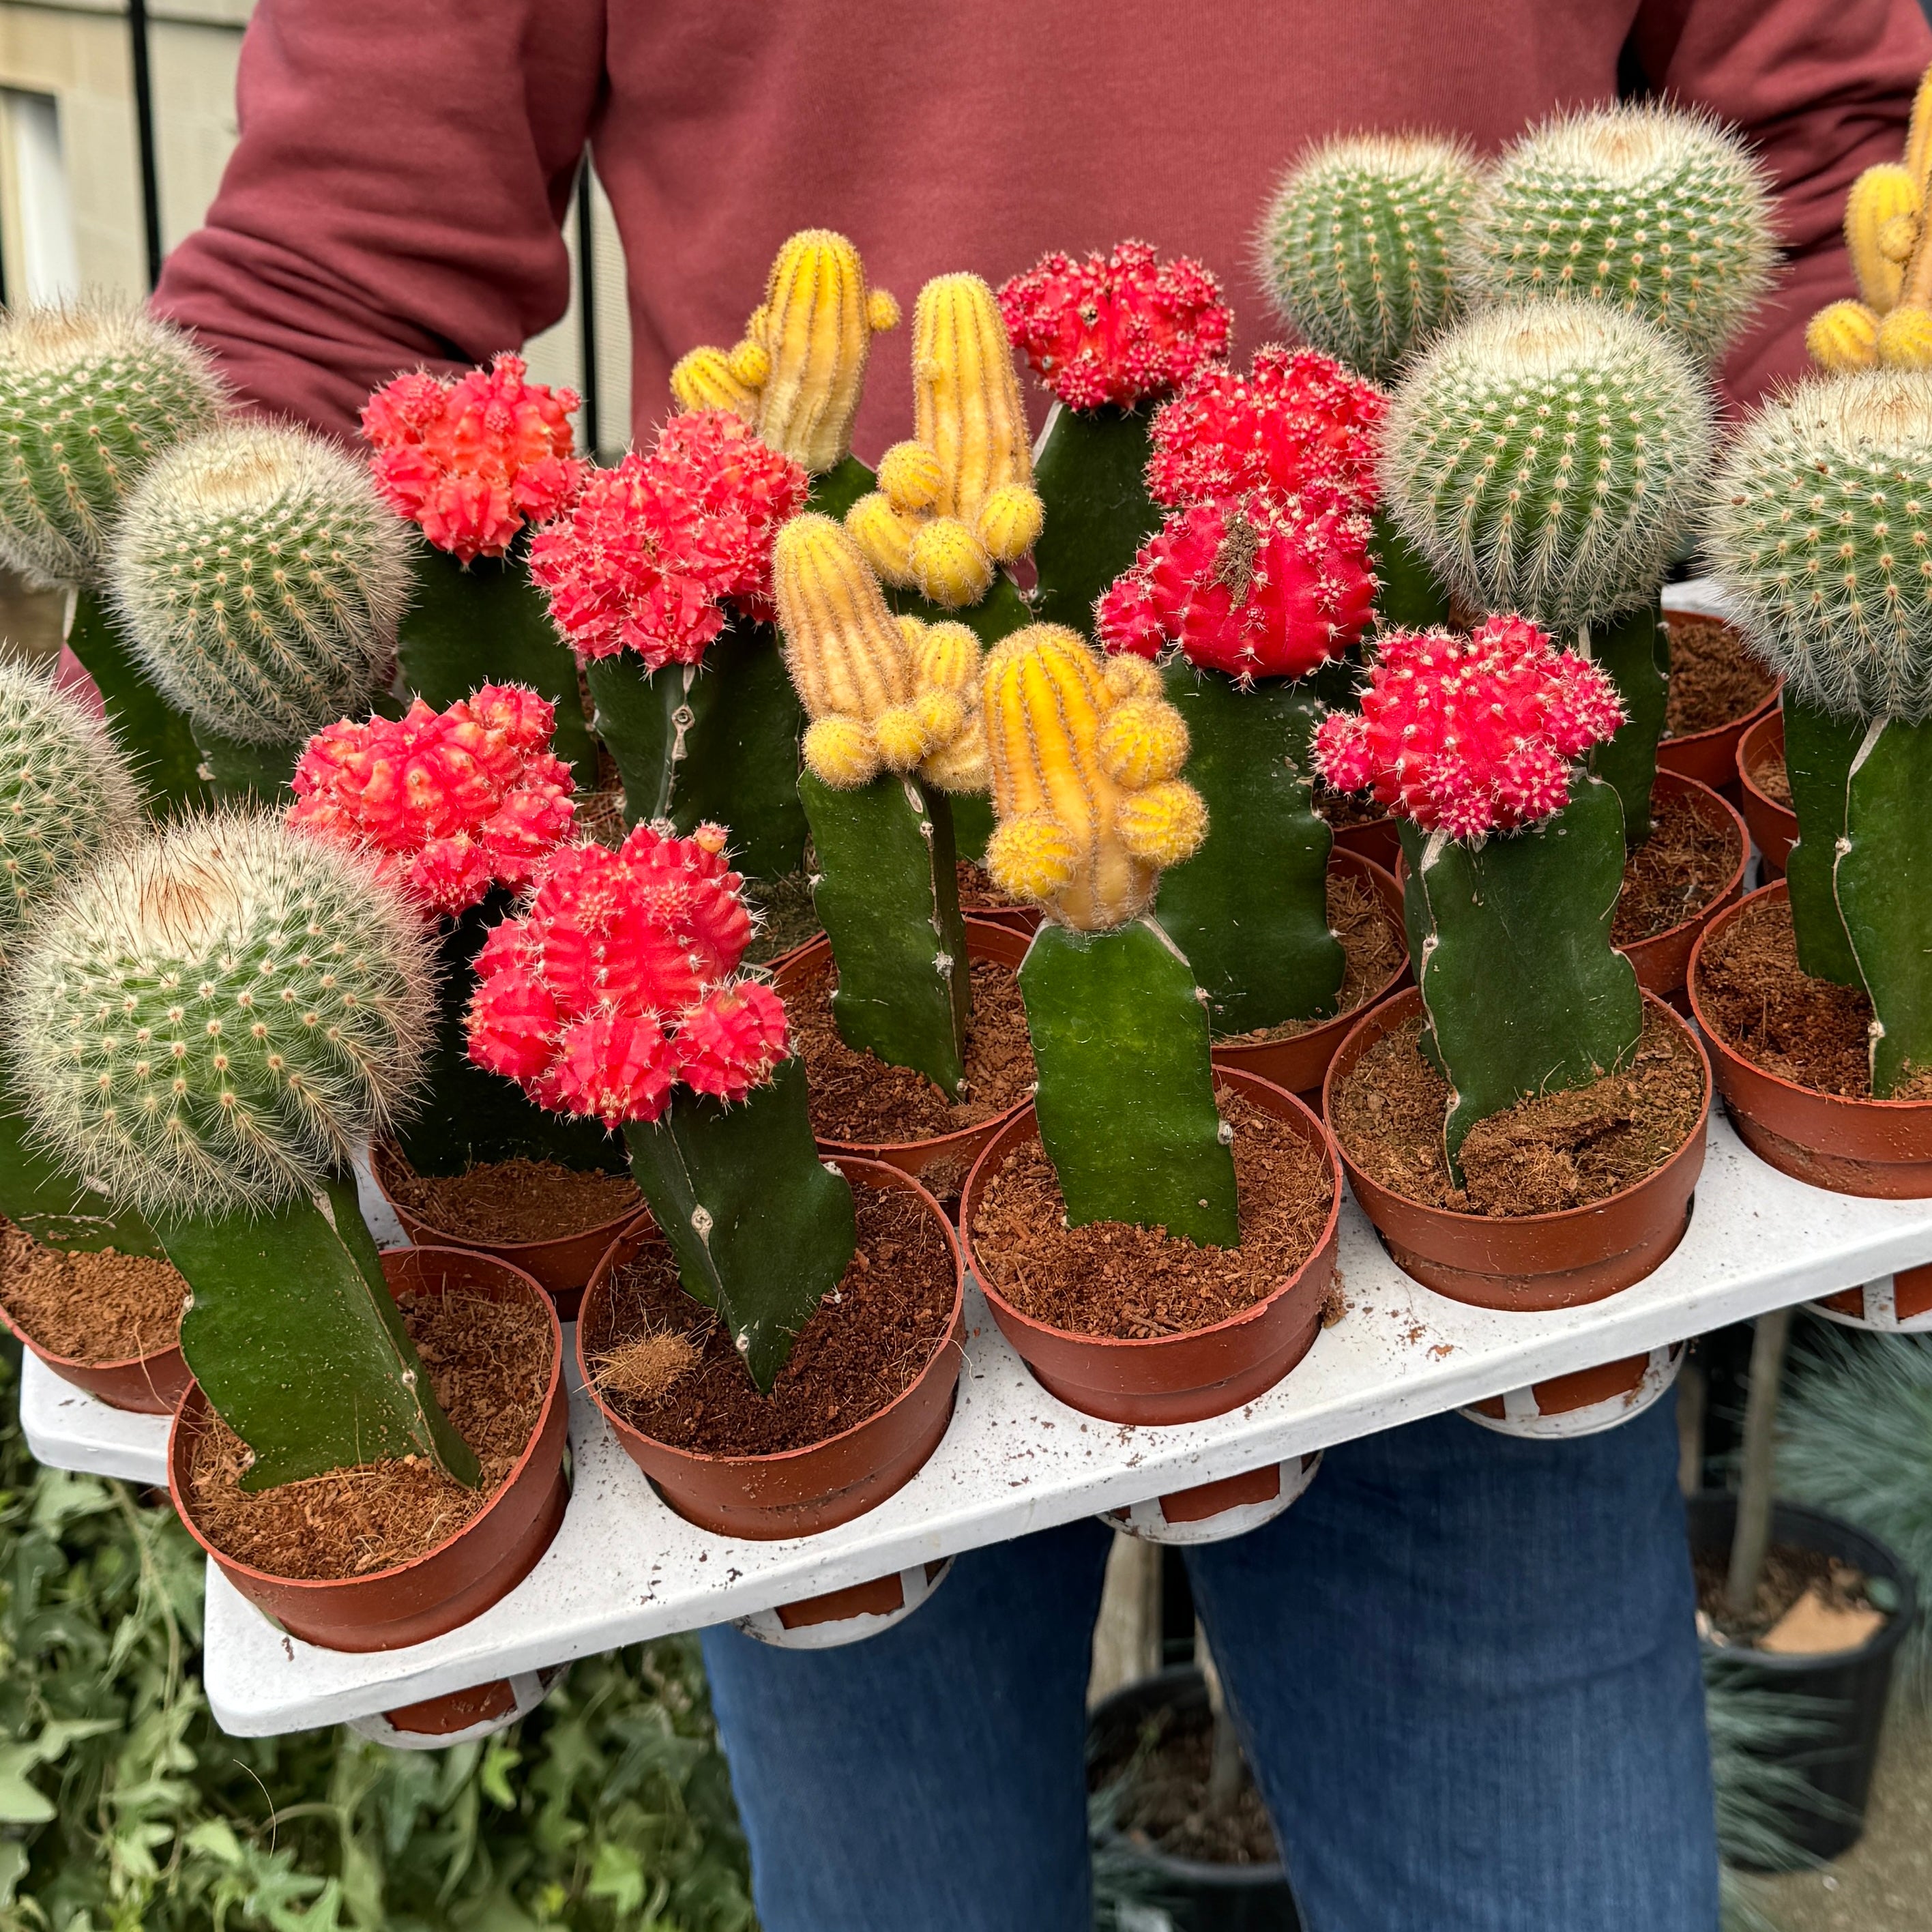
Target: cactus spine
point(204, 1027)
point(1359, 245)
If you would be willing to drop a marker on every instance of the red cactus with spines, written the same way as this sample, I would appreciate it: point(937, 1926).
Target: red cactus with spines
point(1115, 328)
point(1467, 735)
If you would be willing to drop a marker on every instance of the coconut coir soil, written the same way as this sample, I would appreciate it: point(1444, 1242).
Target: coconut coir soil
point(1558, 1151)
point(91, 1308)
point(1790, 1572)
point(1768, 774)
point(515, 1200)
point(489, 1363)
point(1347, 807)
point(1676, 872)
point(1714, 679)
point(1132, 1284)
point(977, 891)
point(1372, 947)
point(667, 1365)
point(857, 1097)
point(1163, 1802)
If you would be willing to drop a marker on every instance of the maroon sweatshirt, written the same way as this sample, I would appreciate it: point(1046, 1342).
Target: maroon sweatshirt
point(403, 168)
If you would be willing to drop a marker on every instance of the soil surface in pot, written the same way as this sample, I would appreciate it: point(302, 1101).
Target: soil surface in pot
point(1814, 1031)
point(787, 917)
point(666, 1364)
point(1808, 1604)
point(1676, 872)
point(1555, 1151)
point(1768, 775)
point(1714, 679)
point(978, 893)
point(857, 1097)
point(489, 1363)
point(1373, 946)
point(102, 1307)
point(1162, 1800)
point(515, 1200)
point(1131, 1284)
point(1347, 807)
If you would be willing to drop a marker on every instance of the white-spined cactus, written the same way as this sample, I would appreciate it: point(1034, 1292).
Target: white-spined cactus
point(1661, 212)
point(1359, 245)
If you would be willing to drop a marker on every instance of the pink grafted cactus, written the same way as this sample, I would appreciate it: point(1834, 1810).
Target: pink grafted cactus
point(618, 984)
point(447, 803)
point(1115, 328)
point(1468, 736)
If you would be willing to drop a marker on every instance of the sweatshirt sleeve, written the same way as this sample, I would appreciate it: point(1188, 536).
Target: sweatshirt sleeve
point(1823, 89)
point(396, 197)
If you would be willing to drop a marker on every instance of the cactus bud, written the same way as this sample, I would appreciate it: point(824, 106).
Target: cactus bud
point(707, 379)
point(1009, 522)
point(910, 475)
point(885, 534)
point(89, 398)
point(1842, 337)
point(1881, 226)
point(949, 565)
point(1904, 339)
point(1358, 245)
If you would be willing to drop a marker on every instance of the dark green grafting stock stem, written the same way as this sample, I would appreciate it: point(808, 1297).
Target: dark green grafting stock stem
point(239, 773)
point(488, 624)
point(291, 1333)
point(1819, 749)
point(1631, 653)
point(1523, 991)
point(761, 1228)
point(1126, 1098)
point(715, 742)
point(59, 1210)
point(1249, 910)
point(888, 896)
point(1884, 883)
point(839, 488)
point(1407, 597)
point(972, 825)
point(1091, 475)
point(156, 736)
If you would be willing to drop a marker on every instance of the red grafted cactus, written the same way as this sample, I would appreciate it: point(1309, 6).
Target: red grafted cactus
point(1254, 586)
point(652, 552)
point(471, 461)
point(1298, 417)
point(1467, 735)
point(617, 984)
point(1115, 328)
point(447, 803)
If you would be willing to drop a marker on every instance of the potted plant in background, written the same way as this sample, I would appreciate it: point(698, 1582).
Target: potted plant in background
point(1150, 1260)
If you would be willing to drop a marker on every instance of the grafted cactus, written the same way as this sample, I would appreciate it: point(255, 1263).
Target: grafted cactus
point(205, 1027)
point(1817, 527)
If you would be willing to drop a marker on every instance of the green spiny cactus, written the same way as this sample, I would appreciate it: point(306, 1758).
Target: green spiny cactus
point(1358, 247)
point(260, 578)
point(203, 1028)
point(1658, 211)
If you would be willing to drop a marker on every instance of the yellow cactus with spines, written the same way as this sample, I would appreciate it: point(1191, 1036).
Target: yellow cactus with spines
point(1090, 808)
point(1842, 337)
point(1905, 339)
point(957, 500)
point(1881, 226)
point(796, 375)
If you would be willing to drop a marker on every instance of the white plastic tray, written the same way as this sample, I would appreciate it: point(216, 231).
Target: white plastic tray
point(68, 1429)
point(624, 1568)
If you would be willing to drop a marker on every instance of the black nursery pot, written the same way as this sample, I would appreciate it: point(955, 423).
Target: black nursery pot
point(1196, 1897)
point(1837, 1763)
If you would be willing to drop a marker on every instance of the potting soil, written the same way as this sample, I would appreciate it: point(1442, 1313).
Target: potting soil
point(1714, 679)
point(515, 1200)
point(1163, 1797)
point(1808, 1603)
point(1676, 872)
point(1768, 774)
point(102, 1307)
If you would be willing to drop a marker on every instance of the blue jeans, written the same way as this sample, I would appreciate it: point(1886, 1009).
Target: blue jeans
point(1464, 1665)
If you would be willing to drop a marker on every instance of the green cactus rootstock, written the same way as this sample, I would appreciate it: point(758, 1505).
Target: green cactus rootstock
point(835, 492)
point(716, 742)
point(159, 739)
point(761, 1228)
point(489, 624)
point(1409, 596)
point(1818, 749)
point(56, 1208)
point(1126, 1093)
point(1249, 910)
point(291, 1333)
point(1634, 652)
point(1510, 941)
point(886, 891)
point(1090, 474)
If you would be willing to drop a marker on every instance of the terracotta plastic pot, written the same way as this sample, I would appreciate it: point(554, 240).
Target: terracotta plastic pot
point(797, 1492)
point(1585, 1403)
point(1171, 1378)
point(1022, 918)
point(1378, 841)
point(1893, 1304)
point(1213, 1512)
point(1774, 825)
point(461, 1576)
point(945, 1158)
point(1528, 1261)
point(1663, 961)
point(1711, 757)
point(460, 1716)
point(1881, 1149)
point(1299, 1064)
point(840, 1617)
point(560, 1266)
point(146, 1384)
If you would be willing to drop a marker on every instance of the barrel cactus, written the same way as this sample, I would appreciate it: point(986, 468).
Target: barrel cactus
point(1359, 245)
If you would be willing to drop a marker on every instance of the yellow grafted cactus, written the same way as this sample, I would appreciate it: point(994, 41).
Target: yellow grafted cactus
point(1905, 339)
point(1842, 337)
point(1085, 789)
point(1881, 225)
point(957, 500)
point(796, 375)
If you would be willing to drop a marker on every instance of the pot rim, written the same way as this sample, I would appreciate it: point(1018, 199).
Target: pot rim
point(382, 1152)
point(195, 1401)
point(1745, 747)
point(1711, 733)
point(1556, 1217)
point(1778, 889)
point(1236, 1076)
point(1734, 879)
point(951, 1336)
